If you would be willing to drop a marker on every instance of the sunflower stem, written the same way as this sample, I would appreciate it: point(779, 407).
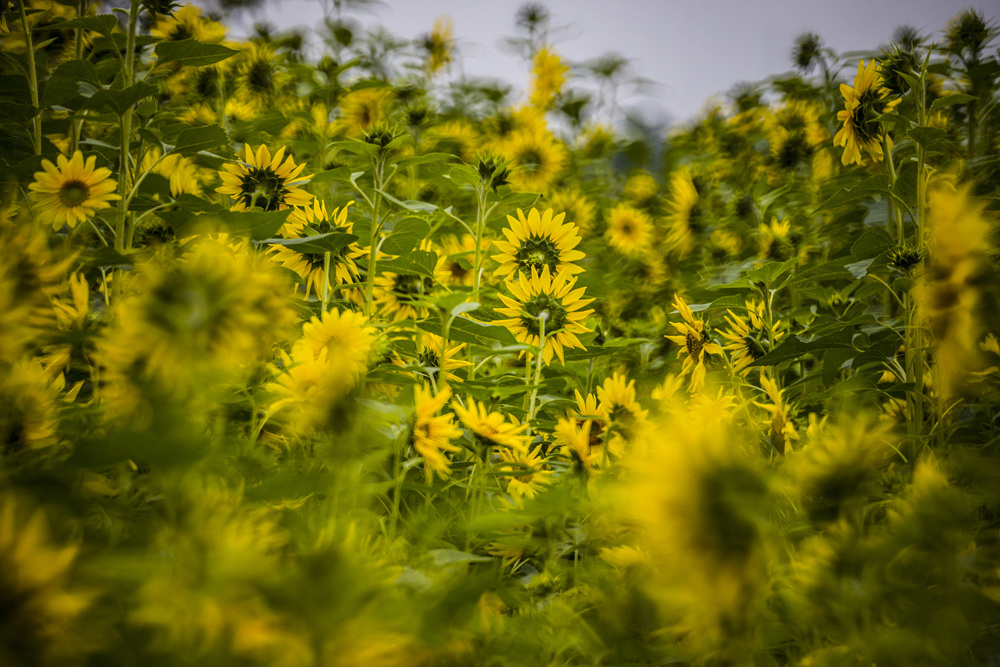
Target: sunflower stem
point(76, 125)
point(125, 129)
point(377, 166)
point(36, 119)
point(539, 362)
point(326, 281)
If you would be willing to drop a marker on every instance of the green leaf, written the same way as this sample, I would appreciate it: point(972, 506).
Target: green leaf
point(859, 269)
point(872, 244)
point(102, 23)
point(795, 347)
point(405, 236)
point(464, 330)
point(191, 52)
point(833, 362)
point(463, 174)
point(424, 159)
point(871, 187)
point(410, 205)
point(771, 271)
point(925, 136)
point(418, 262)
point(339, 175)
point(195, 139)
point(443, 557)
point(258, 225)
point(464, 308)
point(951, 100)
point(117, 101)
point(315, 245)
point(901, 121)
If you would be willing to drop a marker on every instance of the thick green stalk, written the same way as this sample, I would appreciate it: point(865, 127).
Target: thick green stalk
point(125, 128)
point(76, 125)
point(377, 166)
point(539, 362)
point(36, 119)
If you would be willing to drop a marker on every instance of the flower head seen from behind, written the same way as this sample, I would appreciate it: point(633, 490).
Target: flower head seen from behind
point(260, 180)
point(71, 191)
point(862, 104)
point(548, 76)
point(550, 302)
point(537, 241)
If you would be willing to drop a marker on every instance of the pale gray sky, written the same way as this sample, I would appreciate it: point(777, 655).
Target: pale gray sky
point(691, 49)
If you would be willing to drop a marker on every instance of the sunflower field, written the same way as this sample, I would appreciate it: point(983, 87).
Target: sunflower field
point(357, 361)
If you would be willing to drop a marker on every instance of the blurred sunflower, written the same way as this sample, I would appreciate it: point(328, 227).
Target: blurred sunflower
point(361, 110)
point(630, 231)
point(439, 45)
point(694, 341)
point(258, 180)
point(777, 240)
point(684, 213)
point(576, 206)
point(543, 301)
point(526, 471)
point(625, 419)
point(581, 434)
point(428, 360)
point(491, 430)
point(455, 261)
point(749, 341)
point(310, 266)
point(72, 192)
point(430, 433)
point(782, 428)
point(188, 23)
point(641, 190)
point(43, 612)
point(457, 137)
point(344, 334)
point(261, 78)
point(31, 399)
point(308, 386)
point(397, 294)
point(548, 76)
point(863, 103)
point(537, 158)
point(538, 241)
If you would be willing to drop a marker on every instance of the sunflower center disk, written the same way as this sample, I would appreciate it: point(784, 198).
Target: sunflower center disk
point(694, 345)
point(263, 188)
point(538, 252)
point(73, 193)
point(555, 313)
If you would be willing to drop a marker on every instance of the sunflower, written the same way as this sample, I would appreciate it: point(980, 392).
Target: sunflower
point(430, 433)
point(260, 78)
point(548, 76)
point(630, 231)
point(862, 105)
point(782, 429)
point(491, 429)
point(397, 293)
point(439, 45)
point(693, 340)
point(525, 470)
point(749, 341)
point(576, 206)
point(641, 190)
point(188, 23)
point(72, 192)
point(184, 175)
point(626, 420)
point(424, 359)
point(44, 611)
point(457, 137)
point(309, 384)
point(31, 399)
point(456, 259)
point(303, 222)
point(342, 333)
point(361, 110)
point(777, 241)
point(258, 180)
point(538, 241)
point(685, 213)
point(537, 158)
point(544, 301)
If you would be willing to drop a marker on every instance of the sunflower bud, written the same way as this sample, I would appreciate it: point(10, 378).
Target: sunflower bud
point(493, 171)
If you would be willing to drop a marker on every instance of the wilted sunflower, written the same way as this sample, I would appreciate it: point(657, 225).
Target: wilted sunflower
point(72, 192)
point(491, 429)
point(258, 180)
point(749, 341)
point(310, 266)
point(863, 103)
point(552, 301)
point(538, 241)
point(694, 341)
point(630, 231)
point(430, 433)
